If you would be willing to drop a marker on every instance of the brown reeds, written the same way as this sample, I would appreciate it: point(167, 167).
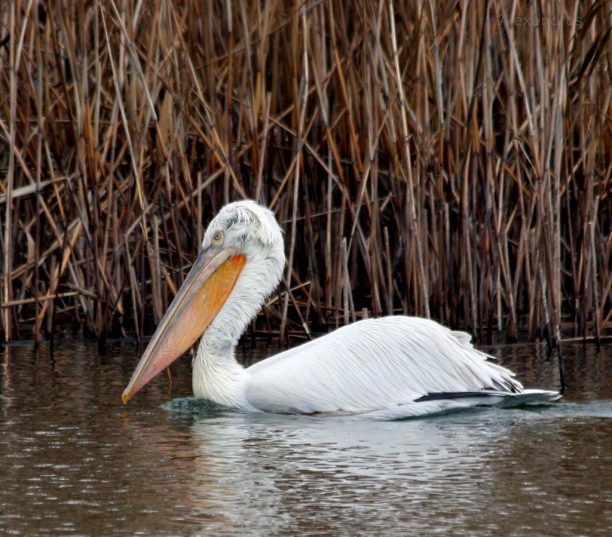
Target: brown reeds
point(444, 159)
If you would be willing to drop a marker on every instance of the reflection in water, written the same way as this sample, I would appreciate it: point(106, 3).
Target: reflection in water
point(73, 460)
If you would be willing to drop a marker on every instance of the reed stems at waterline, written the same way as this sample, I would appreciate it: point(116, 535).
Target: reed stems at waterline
point(442, 159)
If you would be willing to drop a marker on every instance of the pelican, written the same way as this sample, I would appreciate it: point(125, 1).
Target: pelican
point(385, 368)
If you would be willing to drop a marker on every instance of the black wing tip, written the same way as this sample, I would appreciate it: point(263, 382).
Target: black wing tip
point(437, 396)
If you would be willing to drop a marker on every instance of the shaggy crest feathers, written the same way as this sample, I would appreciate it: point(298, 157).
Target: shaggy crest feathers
point(247, 214)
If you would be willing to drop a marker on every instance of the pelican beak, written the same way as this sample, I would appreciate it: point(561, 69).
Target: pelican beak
point(197, 303)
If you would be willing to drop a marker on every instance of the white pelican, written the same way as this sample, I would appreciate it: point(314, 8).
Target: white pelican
point(386, 368)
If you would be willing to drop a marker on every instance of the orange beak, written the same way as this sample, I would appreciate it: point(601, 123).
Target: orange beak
point(197, 303)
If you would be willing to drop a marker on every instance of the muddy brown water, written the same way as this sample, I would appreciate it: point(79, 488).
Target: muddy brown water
point(73, 460)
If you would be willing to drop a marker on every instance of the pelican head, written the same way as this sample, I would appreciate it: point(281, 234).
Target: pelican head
point(242, 256)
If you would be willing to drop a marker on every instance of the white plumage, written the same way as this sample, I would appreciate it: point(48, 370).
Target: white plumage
point(380, 367)
point(372, 365)
point(386, 368)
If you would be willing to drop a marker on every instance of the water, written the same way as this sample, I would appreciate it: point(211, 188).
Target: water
point(73, 460)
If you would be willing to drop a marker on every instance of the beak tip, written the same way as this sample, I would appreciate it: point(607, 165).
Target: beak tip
point(125, 398)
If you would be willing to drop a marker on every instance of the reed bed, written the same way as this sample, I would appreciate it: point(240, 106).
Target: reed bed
point(442, 159)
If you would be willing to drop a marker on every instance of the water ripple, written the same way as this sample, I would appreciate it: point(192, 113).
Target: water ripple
point(73, 460)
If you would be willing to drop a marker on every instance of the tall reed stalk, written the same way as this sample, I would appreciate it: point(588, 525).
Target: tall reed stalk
point(444, 159)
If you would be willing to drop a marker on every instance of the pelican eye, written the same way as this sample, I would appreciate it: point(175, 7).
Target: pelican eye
point(217, 238)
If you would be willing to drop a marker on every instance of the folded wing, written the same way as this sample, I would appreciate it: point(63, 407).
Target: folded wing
point(373, 365)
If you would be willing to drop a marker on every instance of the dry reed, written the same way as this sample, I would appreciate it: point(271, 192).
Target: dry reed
point(444, 159)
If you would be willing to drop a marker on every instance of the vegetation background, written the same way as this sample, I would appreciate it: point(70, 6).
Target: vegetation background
point(447, 159)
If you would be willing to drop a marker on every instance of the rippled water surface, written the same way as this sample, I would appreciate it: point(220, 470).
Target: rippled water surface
point(74, 460)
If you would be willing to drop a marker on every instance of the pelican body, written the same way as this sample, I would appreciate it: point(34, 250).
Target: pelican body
point(386, 368)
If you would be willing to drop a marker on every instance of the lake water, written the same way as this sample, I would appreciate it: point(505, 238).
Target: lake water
point(73, 460)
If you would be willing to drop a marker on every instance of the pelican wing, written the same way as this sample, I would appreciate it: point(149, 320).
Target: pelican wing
point(375, 365)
